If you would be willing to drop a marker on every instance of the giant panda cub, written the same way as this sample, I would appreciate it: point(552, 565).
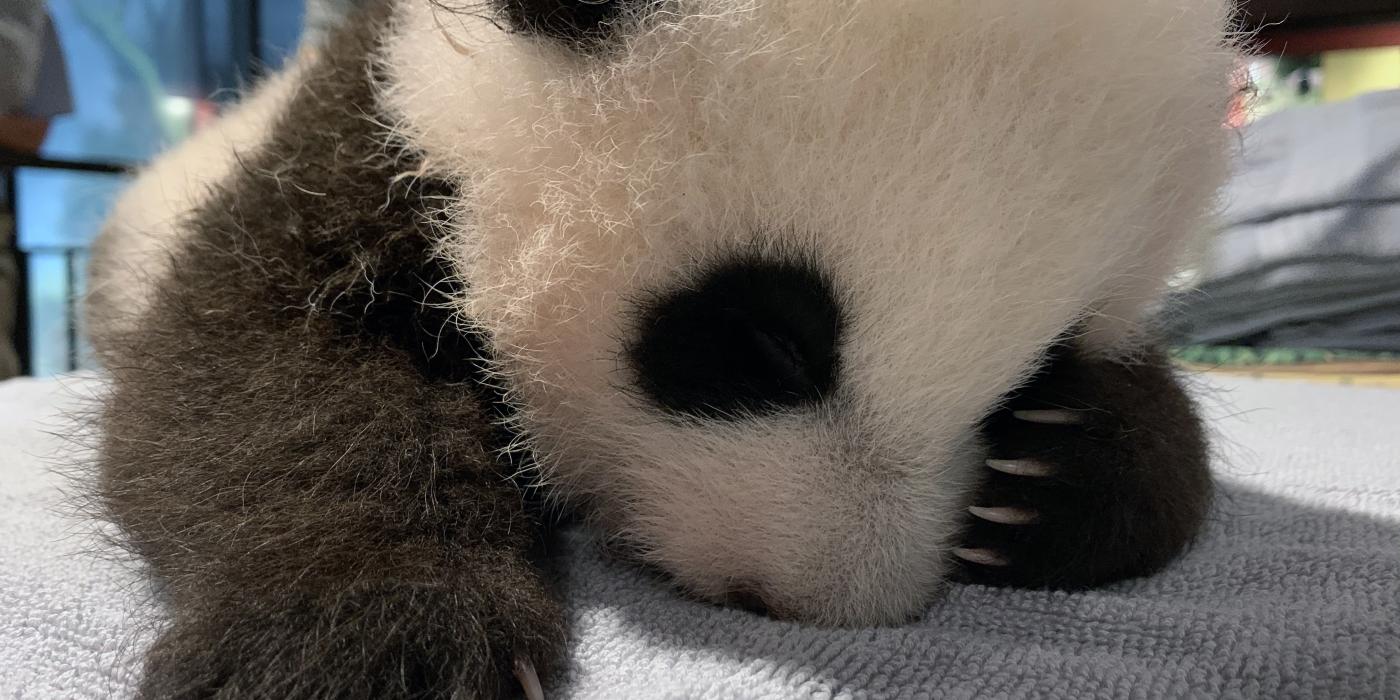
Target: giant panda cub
point(809, 305)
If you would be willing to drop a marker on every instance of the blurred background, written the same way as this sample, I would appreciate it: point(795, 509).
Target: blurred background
point(1298, 276)
point(90, 89)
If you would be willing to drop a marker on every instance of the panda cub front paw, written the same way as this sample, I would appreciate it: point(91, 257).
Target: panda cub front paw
point(1096, 471)
point(1029, 516)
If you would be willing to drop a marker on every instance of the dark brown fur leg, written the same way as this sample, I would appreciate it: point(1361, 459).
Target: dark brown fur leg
point(1103, 474)
point(326, 525)
point(389, 639)
point(298, 441)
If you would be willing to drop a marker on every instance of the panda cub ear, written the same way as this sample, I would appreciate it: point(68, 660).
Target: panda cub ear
point(578, 22)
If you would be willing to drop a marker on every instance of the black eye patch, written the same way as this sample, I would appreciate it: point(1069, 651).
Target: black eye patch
point(751, 335)
point(575, 21)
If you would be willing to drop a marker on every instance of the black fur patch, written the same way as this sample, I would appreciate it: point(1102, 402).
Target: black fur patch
point(580, 22)
point(298, 443)
point(1128, 485)
point(750, 336)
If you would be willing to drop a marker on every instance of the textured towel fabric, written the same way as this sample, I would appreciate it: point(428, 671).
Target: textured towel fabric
point(1294, 592)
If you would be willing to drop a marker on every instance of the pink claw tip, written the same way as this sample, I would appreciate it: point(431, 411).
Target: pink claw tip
point(1052, 417)
point(529, 679)
point(1020, 467)
point(1005, 516)
point(985, 557)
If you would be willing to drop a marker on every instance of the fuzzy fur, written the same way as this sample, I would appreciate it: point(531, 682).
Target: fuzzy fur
point(148, 222)
point(974, 175)
point(302, 434)
point(296, 444)
point(1128, 483)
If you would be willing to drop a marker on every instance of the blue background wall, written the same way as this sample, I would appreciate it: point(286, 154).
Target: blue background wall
point(141, 73)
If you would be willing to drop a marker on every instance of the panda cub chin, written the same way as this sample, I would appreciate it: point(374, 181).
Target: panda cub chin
point(812, 305)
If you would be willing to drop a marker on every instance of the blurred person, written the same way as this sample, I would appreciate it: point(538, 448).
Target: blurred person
point(34, 84)
point(33, 90)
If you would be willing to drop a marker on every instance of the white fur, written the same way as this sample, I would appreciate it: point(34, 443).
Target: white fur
point(973, 175)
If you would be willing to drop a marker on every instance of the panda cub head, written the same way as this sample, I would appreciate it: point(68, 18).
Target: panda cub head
point(753, 270)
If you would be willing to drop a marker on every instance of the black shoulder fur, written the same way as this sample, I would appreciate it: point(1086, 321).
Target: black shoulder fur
point(297, 443)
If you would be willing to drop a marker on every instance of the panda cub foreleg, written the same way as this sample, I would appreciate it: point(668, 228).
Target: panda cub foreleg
point(1097, 471)
point(297, 442)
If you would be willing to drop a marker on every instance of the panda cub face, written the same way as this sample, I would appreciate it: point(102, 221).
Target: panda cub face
point(753, 270)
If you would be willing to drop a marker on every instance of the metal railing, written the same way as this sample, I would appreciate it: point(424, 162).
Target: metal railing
point(10, 163)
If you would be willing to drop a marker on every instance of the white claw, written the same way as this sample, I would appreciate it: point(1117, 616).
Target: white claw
point(1005, 516)
point(1051, 417)
point(985, 557)
point(1021, 467)
point(529, 679)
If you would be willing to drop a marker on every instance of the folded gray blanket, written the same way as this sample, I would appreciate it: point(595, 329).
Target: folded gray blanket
point(1293, 592)
point(1309, 250)
point(1315, 159)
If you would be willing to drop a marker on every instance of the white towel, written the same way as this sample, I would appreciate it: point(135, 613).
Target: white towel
point(1293, 592)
